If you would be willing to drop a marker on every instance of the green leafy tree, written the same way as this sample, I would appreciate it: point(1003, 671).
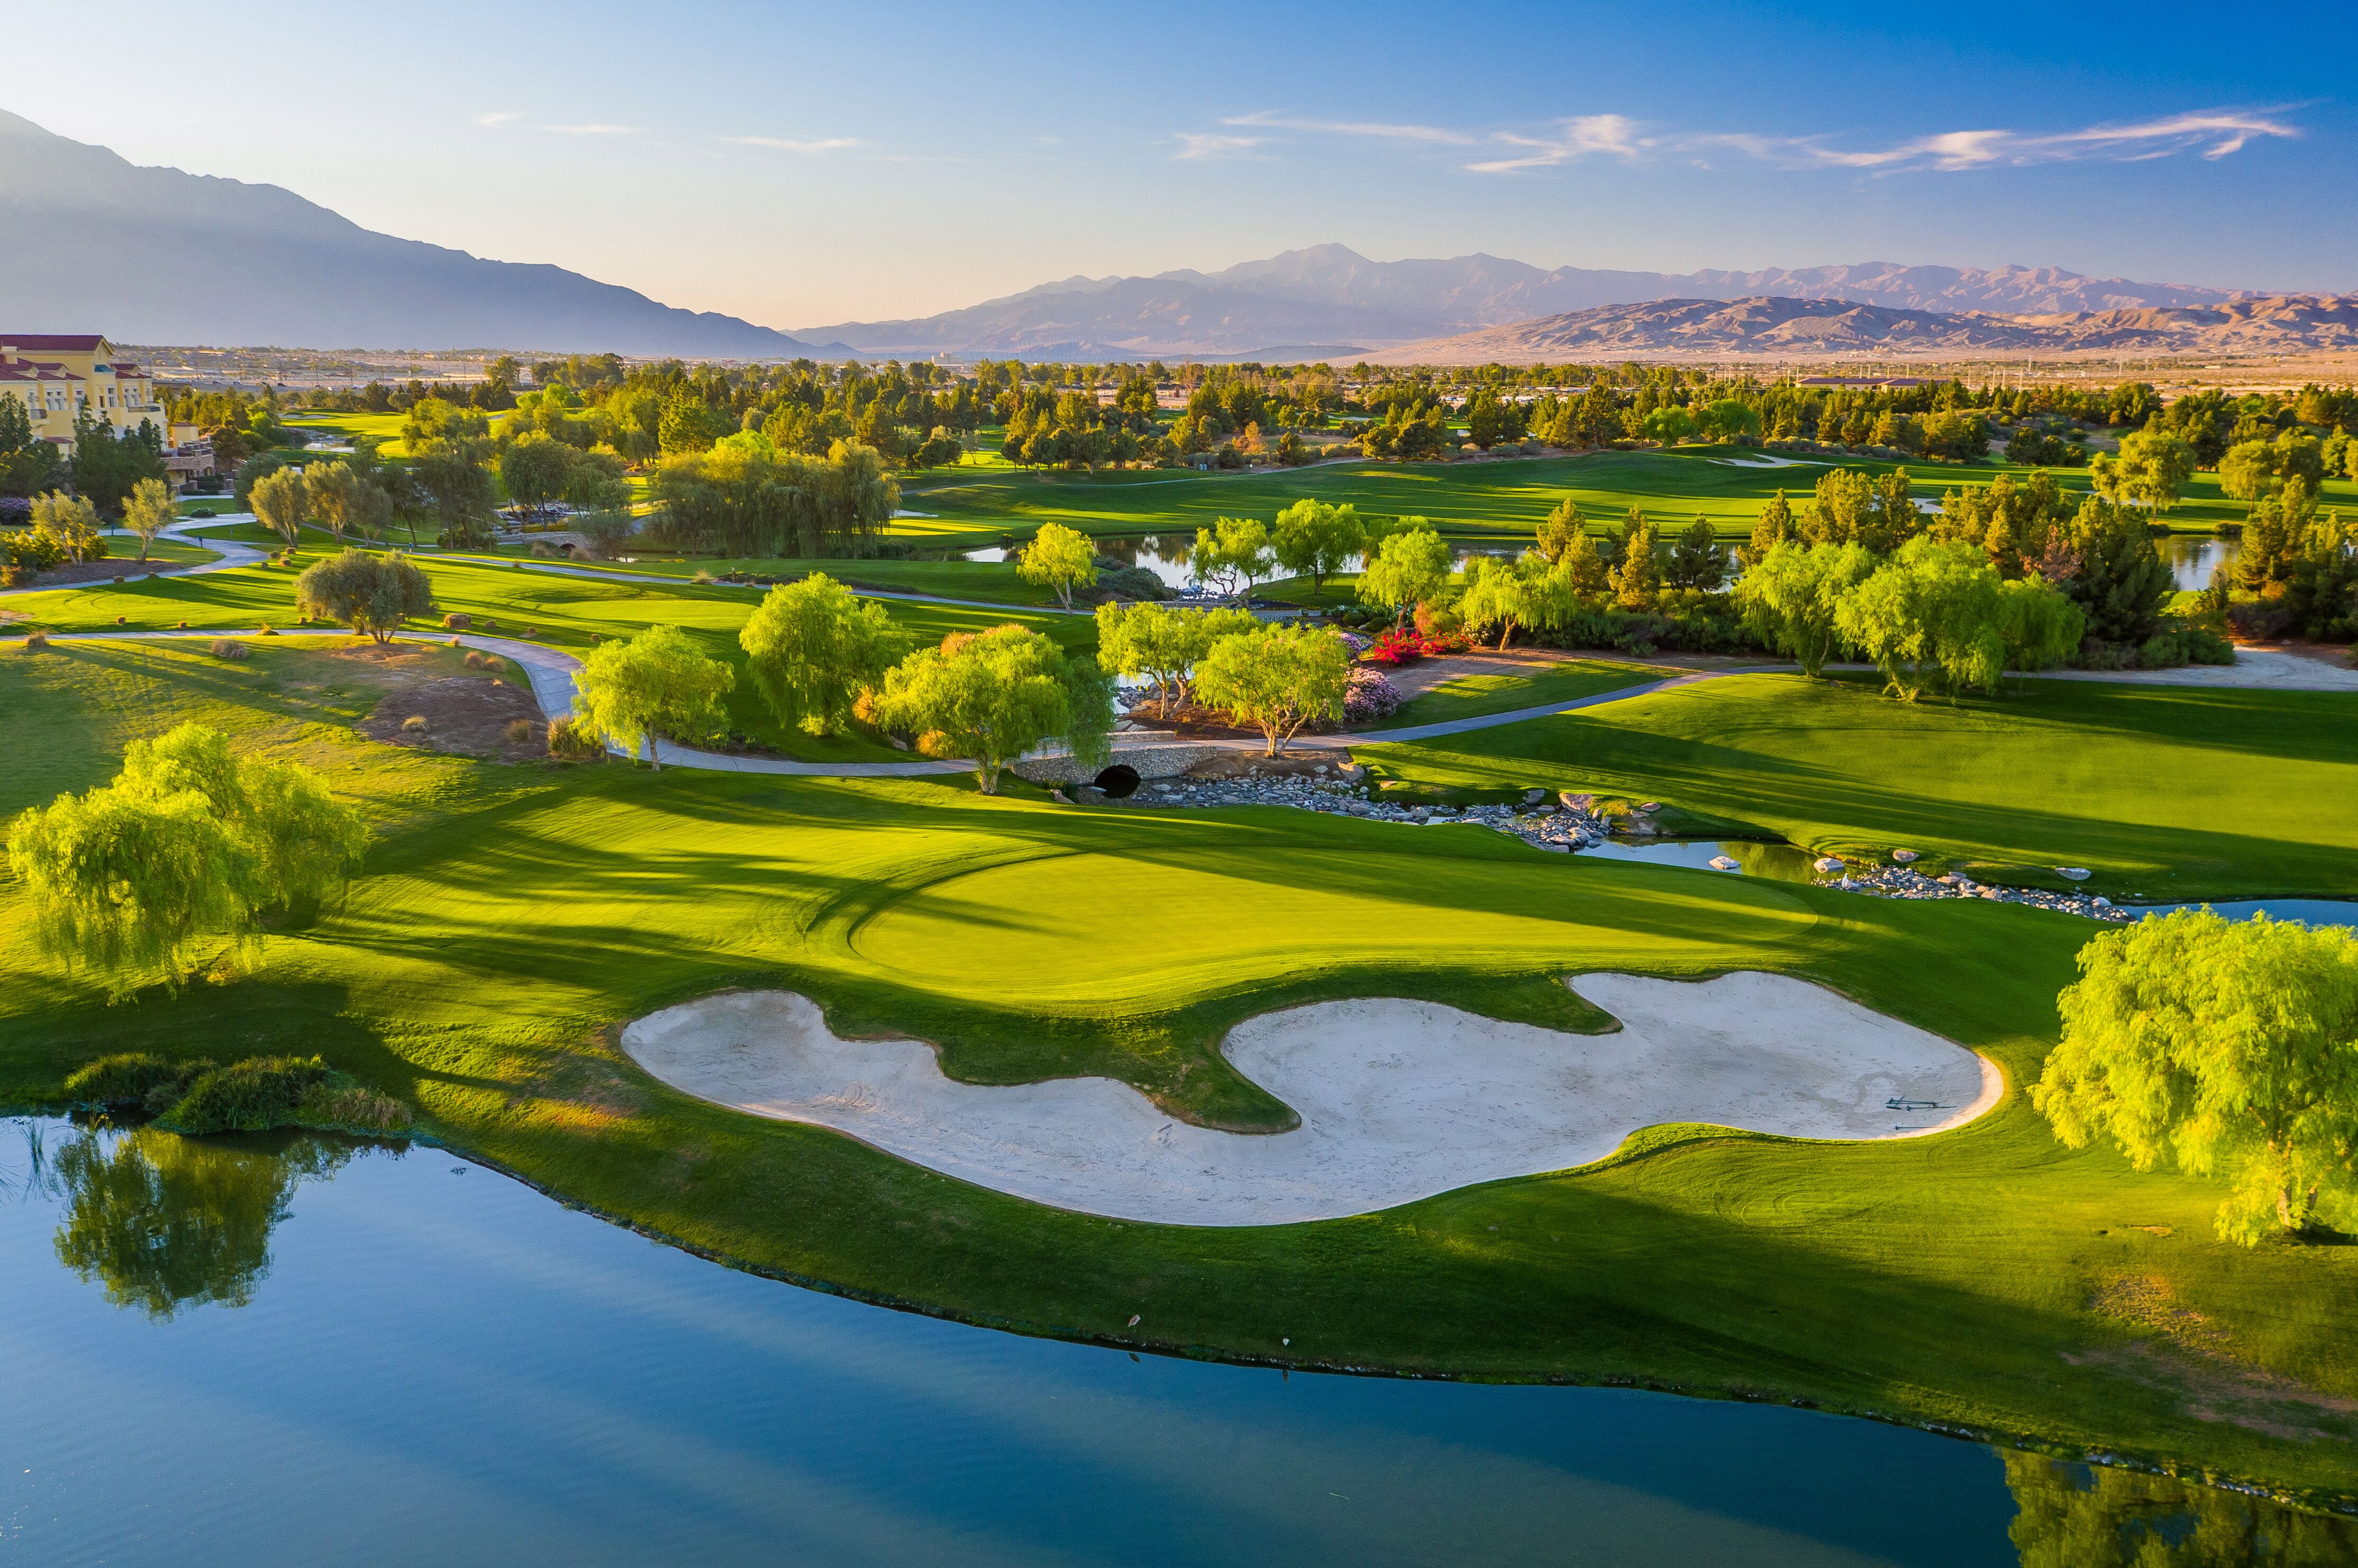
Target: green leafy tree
point(536, 468)
point(191, 839)
point(344, 501)
point(1928, 618)
point(1637, 567)
point(1408, 567)
point(653, 685)
point(1582, 568)
point(1560, 528)
point(2151, 469)
point(147, 511)
point(28, 465)
point(1696, 559)
point(1277, 679)
point(1776, 526)
point(1060, 559)
point(70, 525)
point(2119, 577)
point(1313, 539)
point(252, 472)
point(368, 593)
point(813, 647)
point(992, 695)
point(1161, 644)
point(282, 503)
point(1232, 555)
point(1792, 595)
point(2226, 1045)
point(108, 464)
point(1728, 419)
point(1670, 424)
point(456, 491)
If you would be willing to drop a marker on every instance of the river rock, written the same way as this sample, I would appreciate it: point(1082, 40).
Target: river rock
point(1725, 863)
point(2076, 873)
point(1577, 802)
point(1903, 856)
point(1826, 865)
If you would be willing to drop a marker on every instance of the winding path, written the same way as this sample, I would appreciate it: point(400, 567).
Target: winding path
point(231, 554)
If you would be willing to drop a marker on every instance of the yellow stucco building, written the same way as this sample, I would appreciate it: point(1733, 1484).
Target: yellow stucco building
point(55, 375)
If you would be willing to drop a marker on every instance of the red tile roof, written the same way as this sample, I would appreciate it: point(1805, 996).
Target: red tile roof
point(69, 343)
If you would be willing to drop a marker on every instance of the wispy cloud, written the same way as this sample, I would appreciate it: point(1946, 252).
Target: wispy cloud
point(597, 130)
point(2212, 132)
point(499, 118)
point(1378, 129)
point(2209, 132)
point(1585, 136)
point(1206, 144)
point(787, 143)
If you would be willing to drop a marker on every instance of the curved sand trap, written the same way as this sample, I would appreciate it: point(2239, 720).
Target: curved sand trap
point(1398, 1099)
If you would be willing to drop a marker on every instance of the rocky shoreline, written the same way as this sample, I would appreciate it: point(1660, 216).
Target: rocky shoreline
point(1573, 823)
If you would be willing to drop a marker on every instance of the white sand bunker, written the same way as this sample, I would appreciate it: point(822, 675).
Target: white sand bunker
point(1397, 1100)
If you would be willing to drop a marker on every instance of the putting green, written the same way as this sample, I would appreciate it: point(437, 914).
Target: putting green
point(1100, 928)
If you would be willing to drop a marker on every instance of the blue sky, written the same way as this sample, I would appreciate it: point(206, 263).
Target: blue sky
point(802, 165)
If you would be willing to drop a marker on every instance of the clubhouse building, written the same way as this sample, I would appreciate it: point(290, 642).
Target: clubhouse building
point(57, 375)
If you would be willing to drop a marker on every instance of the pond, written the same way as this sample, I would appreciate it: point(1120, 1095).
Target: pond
point(2308, 911)
point(1165, 555)
point(295, 1350)
point(2193, 556)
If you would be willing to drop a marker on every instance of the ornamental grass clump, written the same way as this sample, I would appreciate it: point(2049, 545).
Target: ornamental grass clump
point(251, 1095)
point(135, 1078)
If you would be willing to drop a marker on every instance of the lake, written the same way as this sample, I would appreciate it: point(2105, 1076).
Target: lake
point(298, 1350)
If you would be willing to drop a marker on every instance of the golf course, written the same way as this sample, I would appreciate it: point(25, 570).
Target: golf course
point(513, 919)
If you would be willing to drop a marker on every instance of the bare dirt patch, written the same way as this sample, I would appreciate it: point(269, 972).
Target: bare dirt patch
point(433, 701)
point(2191, 1358)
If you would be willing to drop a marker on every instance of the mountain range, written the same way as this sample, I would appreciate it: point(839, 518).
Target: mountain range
point(222, 261)
point(156, 255)
point(1332, 295)
point(1773, 326)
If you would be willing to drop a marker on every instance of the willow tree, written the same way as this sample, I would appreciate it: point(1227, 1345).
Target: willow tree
point(281, 500)
point(1407, 568)
point(1278, 679)
point(1790, 595)
point(1162, 645)
point(191, 841)
point(368, 593)
point(147, 511)
point(992, 695)
point(655, 684)
point(813, 647)
point(2230, 1047)
point(1061, 559)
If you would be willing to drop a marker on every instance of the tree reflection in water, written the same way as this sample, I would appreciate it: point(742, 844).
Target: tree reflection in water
point(168, 1222)
point(2080, 1516)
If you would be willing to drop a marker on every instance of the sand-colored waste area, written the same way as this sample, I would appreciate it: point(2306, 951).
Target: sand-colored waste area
point(1397, 1100)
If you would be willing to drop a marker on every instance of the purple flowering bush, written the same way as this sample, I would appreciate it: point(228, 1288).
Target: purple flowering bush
point(1369, 695)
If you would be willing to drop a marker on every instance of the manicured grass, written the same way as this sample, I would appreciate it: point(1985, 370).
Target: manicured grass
point(2165, 793)
point(570, 612)
point(1560, 680)
point(1675, 486)
point(511, 916)
point(328, 423)
point(992, 582)
point(122, 550)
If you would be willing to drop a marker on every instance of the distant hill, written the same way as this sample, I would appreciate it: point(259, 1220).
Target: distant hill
point(244, 263)
point(1770, 327)
point(1331, 294)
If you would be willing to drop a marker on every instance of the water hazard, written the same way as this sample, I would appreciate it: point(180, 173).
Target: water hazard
point(295, 1350)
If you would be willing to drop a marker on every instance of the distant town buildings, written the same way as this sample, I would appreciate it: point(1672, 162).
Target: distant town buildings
point(57, 375)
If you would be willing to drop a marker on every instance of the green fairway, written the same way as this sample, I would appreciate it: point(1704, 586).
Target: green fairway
point(123, 553)
point(2166, 792)
point(1508, 497)
point(511, 916)
point(561, 612)
point(1503, 691)
point(321, 424)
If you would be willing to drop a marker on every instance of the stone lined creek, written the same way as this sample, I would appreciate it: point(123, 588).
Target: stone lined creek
point(293, 1350)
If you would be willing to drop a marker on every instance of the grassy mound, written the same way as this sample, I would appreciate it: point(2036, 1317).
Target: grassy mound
point(511, 917)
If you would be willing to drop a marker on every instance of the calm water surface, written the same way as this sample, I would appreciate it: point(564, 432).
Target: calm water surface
point(294, 1350)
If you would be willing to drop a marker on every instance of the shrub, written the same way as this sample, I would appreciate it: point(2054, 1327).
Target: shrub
point(702, 578)
point(246, 1097)
point(181, 624)
point(416, 724)
point(36, 642)
point(519, 732)
point(131, 1077)
point(1369, 696)
point(532, 630)
point(457, 620)
point(266, 631)
point(474, 660)
point(568, 739)
point(228, 648)
point(494, 662)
